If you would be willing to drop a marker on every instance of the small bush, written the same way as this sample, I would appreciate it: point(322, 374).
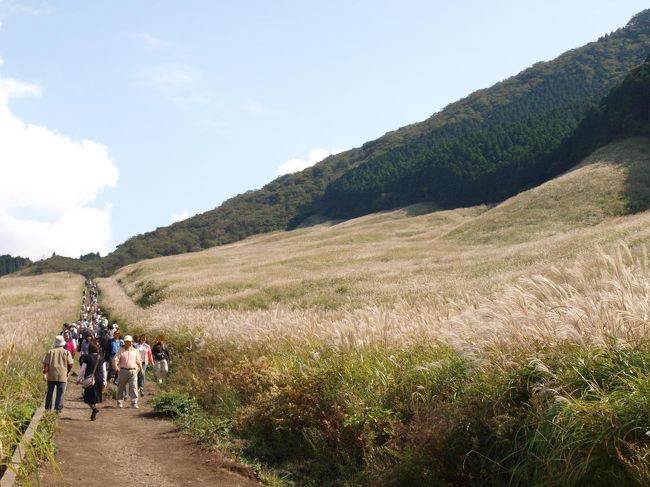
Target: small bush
point(175, 404)
point(207, 429)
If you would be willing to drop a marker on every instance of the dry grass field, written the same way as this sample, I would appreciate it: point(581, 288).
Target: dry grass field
point(397, 275)
point(33, 308)
point(500, 345)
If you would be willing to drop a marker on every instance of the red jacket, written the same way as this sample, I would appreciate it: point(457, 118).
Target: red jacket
point(70, 347)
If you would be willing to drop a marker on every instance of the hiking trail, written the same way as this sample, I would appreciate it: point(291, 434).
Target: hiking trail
point(132, 444)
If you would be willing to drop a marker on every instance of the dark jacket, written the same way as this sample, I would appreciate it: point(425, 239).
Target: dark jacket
point(159, 352)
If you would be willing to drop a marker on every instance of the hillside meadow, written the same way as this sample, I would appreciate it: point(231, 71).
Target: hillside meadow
point(500, 345)
point(435, 264)
point(32, 311)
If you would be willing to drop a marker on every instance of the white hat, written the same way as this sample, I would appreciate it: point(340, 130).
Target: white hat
point(59, 341)
point(128, 338)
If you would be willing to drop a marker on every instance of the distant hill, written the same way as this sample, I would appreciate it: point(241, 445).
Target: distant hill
point(495, 142)
point(481, 149)
point(59, 263)
point(613, 181)
point(9, 264)
point(624, 112)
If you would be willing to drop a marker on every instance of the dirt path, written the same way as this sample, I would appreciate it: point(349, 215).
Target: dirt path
point(133, 444)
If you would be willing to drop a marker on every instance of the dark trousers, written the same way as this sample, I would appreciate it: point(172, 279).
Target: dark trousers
point(141, 377)
point(60, 391)
point(111, 373)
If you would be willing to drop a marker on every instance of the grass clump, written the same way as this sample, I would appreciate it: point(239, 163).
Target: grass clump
point(319, 413)
point(175, 404)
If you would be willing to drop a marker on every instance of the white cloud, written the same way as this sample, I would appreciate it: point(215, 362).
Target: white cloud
point(13, 88)
point(177, 217)
point(45, 173)
point(75, 232)
point(315, 156)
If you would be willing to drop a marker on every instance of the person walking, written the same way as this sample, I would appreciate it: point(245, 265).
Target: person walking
point(93, 365)
point(147, 359)
point(85, 347)
point(115, 345)
point(127, 364)
point(161, 359)
point(69, 343)
point(57, 363)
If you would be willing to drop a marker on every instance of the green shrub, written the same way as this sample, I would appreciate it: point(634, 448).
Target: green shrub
point(175, 404)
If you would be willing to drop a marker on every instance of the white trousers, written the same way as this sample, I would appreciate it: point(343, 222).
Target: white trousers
point(160, 369)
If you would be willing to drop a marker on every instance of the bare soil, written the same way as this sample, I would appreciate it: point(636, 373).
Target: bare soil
point(133, 447)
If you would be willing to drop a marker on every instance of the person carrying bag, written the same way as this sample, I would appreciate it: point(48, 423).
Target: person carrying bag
point(94, 383)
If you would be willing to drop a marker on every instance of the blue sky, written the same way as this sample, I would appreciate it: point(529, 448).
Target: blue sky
point(128, 114)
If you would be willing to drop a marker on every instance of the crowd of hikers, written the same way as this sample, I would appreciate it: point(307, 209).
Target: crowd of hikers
point(104, 357)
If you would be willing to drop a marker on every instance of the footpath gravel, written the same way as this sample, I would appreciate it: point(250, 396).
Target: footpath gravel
point(133, 447)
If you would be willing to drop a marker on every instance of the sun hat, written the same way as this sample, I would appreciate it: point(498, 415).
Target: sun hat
point(59, 341)
point(128, 338)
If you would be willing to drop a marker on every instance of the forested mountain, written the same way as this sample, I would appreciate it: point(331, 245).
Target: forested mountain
point(624, 112)
point(483, 148)
point(493, 143)
point(9, 264)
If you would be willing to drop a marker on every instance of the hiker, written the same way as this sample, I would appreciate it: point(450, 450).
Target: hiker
point(69, 343)
point(127, 363)
point(84, 347)
point(92, 364)
point(115, 345)
point(161, 359)
point(74, 335)
point(147, 358)
point(105, 345)
point(114, 328)
point(65, 329)
point(56, 365)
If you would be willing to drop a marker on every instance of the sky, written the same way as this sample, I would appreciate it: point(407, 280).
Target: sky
point(118, 117)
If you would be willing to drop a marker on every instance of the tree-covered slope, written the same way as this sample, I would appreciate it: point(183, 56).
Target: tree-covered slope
point(609, 157)
point(624, 112)
point(483, 148)
point(9, 264)
point(495, 142)
point(611, 182)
